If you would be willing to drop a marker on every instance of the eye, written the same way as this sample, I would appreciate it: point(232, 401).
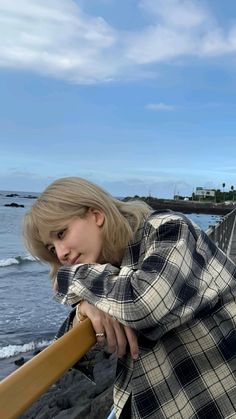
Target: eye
point(61, 234)
point(51, 249)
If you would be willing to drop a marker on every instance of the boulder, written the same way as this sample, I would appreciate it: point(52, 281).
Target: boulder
point(14, 205)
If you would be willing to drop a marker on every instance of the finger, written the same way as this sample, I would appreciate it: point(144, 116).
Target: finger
point(132, 341)
point(100, 334)
point(98, 326)
point(111, 338)
point(75, 321)
point(101, 338)
point(120, 339)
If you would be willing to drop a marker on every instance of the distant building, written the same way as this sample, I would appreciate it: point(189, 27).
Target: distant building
point(181, 198)
point(205, 193)
point(176, 197)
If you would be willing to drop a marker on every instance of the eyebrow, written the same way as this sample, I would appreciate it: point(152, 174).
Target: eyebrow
point(51, 235)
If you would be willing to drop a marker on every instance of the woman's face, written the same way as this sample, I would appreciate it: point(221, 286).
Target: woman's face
point(80, 241)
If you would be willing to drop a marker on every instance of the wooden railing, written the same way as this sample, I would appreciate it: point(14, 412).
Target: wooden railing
point(21, 388)
point(221, 233)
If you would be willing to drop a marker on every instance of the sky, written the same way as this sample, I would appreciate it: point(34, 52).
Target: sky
point(136, 96)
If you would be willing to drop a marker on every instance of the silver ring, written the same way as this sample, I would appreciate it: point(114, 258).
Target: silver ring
point(100, 335)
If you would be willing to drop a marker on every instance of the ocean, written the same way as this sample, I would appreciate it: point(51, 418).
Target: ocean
point(29, 317)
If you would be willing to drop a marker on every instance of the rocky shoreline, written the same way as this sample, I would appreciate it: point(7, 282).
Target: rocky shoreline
point(188, 207)
point(74, 396)
point(179, 205)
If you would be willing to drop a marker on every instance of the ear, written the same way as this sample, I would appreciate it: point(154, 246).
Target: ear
point(99, 216)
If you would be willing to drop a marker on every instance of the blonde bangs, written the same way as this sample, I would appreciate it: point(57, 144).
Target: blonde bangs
point(68, 198)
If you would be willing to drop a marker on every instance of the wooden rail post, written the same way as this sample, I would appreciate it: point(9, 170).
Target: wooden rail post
point(21, 388)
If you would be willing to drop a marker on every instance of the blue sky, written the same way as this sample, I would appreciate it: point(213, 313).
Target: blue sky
point(137, 96)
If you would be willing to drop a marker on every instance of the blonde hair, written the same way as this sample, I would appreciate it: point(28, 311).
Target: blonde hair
point(71, 197)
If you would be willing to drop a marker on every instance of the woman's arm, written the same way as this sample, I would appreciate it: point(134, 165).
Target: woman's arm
point(172, 282)
point(117, 337)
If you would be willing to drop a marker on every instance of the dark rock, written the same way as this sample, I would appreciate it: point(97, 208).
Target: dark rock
point(15, 205)
point(74, 396)
point(36, 352)
point(101, 405)
point(64, 403)
point(19, 361)
point(12, 195)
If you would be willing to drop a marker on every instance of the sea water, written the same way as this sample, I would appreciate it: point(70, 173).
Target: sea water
point(29, 317)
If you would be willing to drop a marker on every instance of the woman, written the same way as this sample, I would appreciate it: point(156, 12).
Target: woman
point(153, 281)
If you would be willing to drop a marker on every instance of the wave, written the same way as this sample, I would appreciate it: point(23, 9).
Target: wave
point(17, 260)
point(13, 350)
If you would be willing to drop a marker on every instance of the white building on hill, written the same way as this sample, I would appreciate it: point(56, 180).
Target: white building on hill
point(204, 193)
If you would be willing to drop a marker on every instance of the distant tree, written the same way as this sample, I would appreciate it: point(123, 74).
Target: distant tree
point(218, 195)
point(232, 189)
point(223, 185)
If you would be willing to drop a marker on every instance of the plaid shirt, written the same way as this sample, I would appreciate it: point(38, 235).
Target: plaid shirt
point(178, 291)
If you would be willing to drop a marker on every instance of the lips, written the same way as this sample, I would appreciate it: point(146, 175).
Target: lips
point(75, 261)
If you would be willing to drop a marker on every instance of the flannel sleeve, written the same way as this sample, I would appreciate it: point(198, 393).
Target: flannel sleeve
point(171, 284)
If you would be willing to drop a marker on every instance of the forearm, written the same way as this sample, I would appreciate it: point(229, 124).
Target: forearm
point(132, 297)
point(162, 293)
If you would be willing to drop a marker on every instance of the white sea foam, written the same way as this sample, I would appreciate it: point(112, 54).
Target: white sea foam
point(13, 350)
point(9, 261)
point(17, 260)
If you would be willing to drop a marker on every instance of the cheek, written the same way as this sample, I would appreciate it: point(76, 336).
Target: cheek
point(101, 242)
point(98, 241)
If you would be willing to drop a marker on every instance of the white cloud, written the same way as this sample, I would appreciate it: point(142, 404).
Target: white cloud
point(55, 38)
point(217, 43)
point(159, 107)
point(59, 39)
point(179, 13)
point(158, 44)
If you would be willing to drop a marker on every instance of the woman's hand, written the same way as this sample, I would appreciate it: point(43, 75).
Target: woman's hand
point(116, 335)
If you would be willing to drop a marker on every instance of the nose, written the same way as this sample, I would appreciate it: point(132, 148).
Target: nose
point(62, 251)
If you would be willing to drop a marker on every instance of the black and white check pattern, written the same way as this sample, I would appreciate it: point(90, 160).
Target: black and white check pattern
point(178, 291)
